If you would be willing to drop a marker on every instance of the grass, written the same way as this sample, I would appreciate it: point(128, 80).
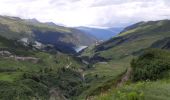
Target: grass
point(10, 76)
point(39, 84)
point(101, 76)
point(144, 89)
point(24, 80)
point(128, 48)
point(129, 45)
point(154, 90)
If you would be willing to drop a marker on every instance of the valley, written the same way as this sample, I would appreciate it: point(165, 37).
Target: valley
point(45, 61)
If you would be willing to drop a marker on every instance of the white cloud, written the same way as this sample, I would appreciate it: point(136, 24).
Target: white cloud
point(88, 12)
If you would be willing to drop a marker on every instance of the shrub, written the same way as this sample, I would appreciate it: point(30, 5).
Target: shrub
point(150, 65)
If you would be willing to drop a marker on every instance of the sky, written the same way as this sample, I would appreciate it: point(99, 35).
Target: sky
point(99, 13)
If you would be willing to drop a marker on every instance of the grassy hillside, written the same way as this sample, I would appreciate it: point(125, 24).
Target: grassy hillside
point(149, 79)
point(99, 73)
point(114, 56)
point(29, 80)
point(61, 37)
point(31, 74)
point(135, 39)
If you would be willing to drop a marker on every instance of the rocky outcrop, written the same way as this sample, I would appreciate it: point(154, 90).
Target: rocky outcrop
point(5, 53)
point(55, 94)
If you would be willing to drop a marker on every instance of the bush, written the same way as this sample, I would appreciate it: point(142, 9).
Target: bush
point(151, 65)
point(11, 91)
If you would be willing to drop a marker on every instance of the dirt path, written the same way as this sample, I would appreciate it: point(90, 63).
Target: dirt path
point(119, 83)
point(56, 95)
point(124, 78)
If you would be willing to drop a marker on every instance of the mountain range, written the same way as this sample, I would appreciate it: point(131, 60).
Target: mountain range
point(101, 33)
point(31, 30)
point(42, 61)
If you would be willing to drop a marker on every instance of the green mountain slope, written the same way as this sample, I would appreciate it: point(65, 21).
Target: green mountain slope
point(134, 39)
point(62, 38)
point(112, 58)
point(149, 78)
point(27, 74)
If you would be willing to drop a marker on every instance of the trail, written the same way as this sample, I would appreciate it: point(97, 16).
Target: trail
point(55, 94)
point(124, 78)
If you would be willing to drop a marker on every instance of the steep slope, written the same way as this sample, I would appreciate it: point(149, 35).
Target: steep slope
point(135, 38)
point(149, 78)
point(27, 73)
point(111, 59)
point(101, 34)
point(35, 74)
point(164, 43)
point(63, 38)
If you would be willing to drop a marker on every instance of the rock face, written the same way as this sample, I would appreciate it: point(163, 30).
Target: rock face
point(5, 53)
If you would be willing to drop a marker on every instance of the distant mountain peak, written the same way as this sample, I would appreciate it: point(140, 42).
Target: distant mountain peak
point(33, 20)
point(63, 38)
point(50, 23)
point(101, 33)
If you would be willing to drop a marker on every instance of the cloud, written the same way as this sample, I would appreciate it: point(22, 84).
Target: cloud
point(103, 13)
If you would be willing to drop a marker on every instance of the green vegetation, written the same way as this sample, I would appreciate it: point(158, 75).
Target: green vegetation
point(151, 65)
point(156, 90)
point(121, 50)
point(27, 80)
point(30, 80)
point(27, 73)
point(100, 77)
point(147, 68)
point(127, 44)
point(63, 38)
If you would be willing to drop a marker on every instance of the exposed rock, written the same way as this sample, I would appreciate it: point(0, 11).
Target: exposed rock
point(5, 53)
point(55, 94)
point(38, 45)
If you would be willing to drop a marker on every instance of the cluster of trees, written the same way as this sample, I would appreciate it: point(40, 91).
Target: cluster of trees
point(66, 80)
point(151, 65)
